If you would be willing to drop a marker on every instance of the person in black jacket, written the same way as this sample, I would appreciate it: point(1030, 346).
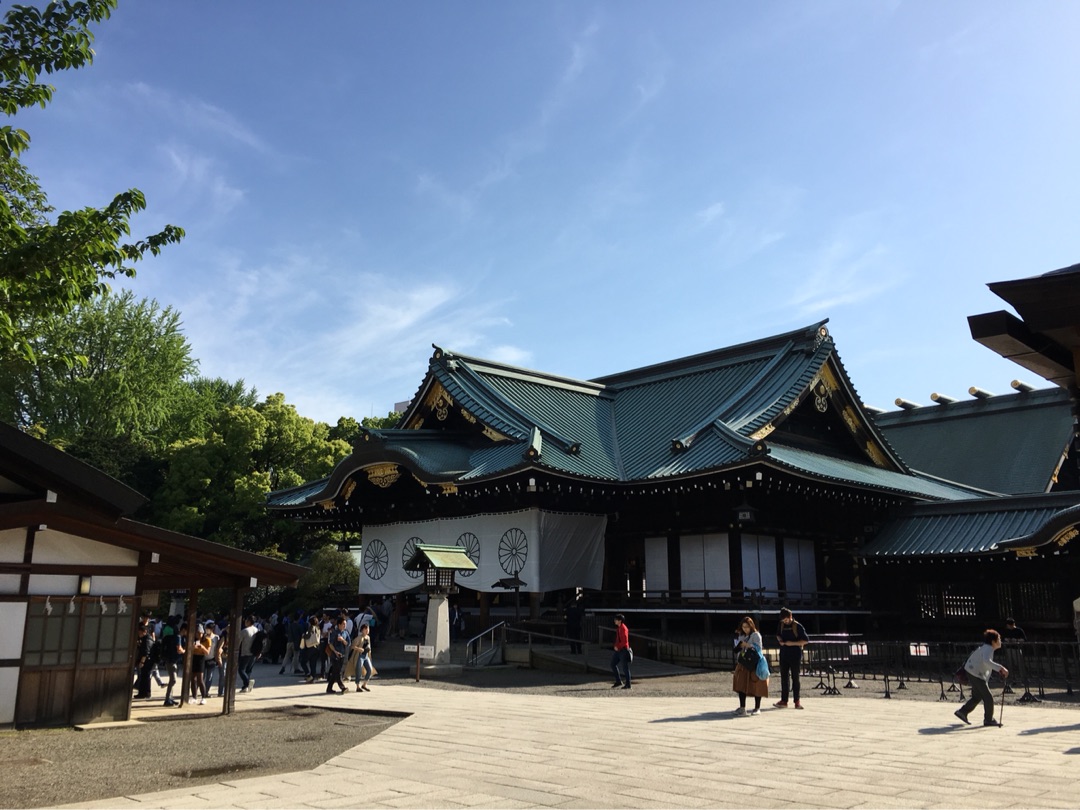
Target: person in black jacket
point(144, 647)
point(792, 638)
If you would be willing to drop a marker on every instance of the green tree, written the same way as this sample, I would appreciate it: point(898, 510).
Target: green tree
point(49, 267)
point(216, 485)
point(348, 429)
point(115, 407)
point(328, 567)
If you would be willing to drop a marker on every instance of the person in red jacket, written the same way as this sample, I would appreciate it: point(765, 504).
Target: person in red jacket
point(620, 661)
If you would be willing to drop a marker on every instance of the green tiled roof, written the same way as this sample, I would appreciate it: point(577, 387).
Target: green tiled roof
point(847, 471)
point(451, 557)
point(983, 526)
point(1011, 443)
point(697, 415)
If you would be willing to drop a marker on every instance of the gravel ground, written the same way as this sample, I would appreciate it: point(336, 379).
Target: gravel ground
point(45, 768)
point(50, 767)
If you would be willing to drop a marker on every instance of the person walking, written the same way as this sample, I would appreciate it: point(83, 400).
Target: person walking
point(745, 680)
point(144, 648)
point(620, 660)
point(247, 654)
point(200, 651)
point(213, 658)
point(363, 668)
point(792, 637)
point(980, 666)
point(311, 645)
point(223, 658)
point(172, 649)
point(338, 651)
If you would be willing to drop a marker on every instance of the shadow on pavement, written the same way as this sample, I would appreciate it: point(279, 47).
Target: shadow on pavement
point(1052, 729)
point(693, 718)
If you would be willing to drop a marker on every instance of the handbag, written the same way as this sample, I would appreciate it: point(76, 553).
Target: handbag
point(762, 671)
point(749, 657)
point(961, 676)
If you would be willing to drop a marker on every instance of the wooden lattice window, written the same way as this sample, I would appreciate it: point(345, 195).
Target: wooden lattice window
point(87, 636)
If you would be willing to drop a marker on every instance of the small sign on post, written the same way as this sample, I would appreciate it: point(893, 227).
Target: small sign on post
point(426, 651)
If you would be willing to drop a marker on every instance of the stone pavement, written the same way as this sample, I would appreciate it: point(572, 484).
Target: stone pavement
point(480, 748)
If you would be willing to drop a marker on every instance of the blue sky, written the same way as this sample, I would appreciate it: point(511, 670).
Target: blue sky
point(578, 187)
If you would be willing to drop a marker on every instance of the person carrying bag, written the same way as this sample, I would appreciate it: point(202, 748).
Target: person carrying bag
point(749, 662)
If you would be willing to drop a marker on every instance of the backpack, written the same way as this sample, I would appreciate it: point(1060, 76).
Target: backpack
point(258, 642)
point(153, 656)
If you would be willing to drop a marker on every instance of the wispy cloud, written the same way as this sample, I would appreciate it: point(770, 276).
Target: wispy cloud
point(460, 203)
point(528, 141)
point(709, 213)
point(372, 343)
point(197, 176)
point(194, 115)
point(851, 267)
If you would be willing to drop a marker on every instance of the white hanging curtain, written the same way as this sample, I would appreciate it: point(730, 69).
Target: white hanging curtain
point(546, 550)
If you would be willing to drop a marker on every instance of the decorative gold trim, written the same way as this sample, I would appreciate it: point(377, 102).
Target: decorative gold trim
point(468, 417)
point(494, 435)
point(761, 433)
point(1064, 536)
point(348, 489)
point(383, 475)
point(876, 455)
point(436, 393)
point(826, 376)
point(448, 489)
point(327, 505)
point(851, 419)
point(1026, 551)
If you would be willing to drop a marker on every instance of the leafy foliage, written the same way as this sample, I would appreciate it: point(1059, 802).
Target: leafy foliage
point(49, 268)
point(116, 407)
point(348, 429)
point(217, 484)
point(328, 567)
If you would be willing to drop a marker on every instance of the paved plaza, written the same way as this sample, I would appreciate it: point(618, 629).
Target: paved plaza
point(485, 748)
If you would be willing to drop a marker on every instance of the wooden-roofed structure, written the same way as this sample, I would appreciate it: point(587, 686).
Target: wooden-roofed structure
point(74, 571)
point(937, 566)
point(712, 484)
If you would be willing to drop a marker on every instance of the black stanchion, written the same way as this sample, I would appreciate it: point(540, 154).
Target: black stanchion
point(942, 696)
point(851, 680)
point(888, 694)
point(832, 690)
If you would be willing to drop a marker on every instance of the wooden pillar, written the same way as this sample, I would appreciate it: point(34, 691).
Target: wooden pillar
point(236, 624)
point(189, 642)
point(484, 620)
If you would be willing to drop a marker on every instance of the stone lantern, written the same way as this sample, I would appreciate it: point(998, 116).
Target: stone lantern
point(439, 564)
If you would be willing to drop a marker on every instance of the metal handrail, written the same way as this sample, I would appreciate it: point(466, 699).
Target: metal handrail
point(473, 655)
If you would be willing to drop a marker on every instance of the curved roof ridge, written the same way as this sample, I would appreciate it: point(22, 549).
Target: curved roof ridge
point(505, 369)
point(719, 417)
point(715, 357)
point(496, 401)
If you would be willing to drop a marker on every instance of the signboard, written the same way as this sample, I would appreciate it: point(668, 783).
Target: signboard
point(411, 648)
point(427, 651)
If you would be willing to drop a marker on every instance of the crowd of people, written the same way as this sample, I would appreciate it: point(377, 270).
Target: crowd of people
point(330, 645)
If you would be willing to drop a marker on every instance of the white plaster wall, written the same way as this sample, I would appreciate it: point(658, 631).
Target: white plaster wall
point(53, 585)
point(112, 586)
point(9, 583)
point(9, 688)
point(13, 620)
point(12, 545)
point(66, 549)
